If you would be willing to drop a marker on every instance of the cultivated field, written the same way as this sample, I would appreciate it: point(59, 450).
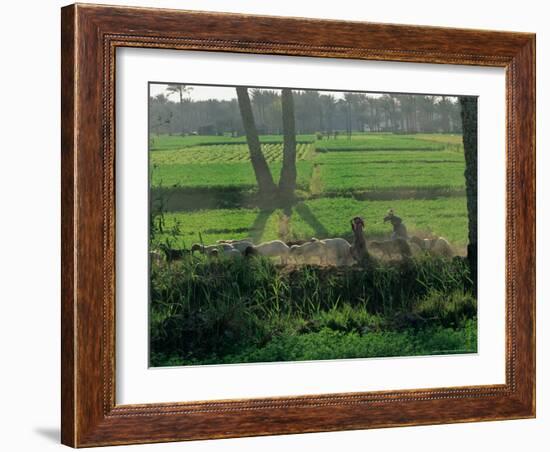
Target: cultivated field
point(421, 178)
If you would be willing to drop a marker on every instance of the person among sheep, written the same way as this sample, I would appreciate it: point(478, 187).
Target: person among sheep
point(399, 229)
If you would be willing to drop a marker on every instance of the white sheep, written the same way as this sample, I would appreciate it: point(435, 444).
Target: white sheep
point(231, 253)
point(240, 244)
point(338, 251)
point(233, 241)
point(438, 246)
point(315, 251)
point(274, 248)
point(208, 249)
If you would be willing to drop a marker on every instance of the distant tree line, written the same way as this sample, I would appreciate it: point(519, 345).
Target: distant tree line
point(176, 113)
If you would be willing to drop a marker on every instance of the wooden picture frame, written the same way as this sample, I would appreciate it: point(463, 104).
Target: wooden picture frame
point(90, 36)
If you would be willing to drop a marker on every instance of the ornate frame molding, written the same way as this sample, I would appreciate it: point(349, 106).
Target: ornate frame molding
point(90, 36)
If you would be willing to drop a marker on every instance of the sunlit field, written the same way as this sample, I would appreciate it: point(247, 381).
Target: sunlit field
point(426, 187)
point(203, 189)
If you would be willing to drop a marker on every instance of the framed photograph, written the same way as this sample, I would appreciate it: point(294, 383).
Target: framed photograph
point(281, 225)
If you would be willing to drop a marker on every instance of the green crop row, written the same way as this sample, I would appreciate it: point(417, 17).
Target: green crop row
point(172, 142)
point(378, 142)
point(221, 175)
point(224, 153)
point(346, 177)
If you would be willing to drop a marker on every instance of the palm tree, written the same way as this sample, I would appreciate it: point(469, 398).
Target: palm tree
point(469, 138)
point(375, 113)
point(444, 107)
point(159, 116)
point(408, 112)
point(328, 105)
point(385, 102)
point(273, 112)
point(266, 186)
point(348, 100)
point(180, 90)
point(287, 182)
point(259, 101)
point(266, 104)
point(427, 109)
point(309, 104)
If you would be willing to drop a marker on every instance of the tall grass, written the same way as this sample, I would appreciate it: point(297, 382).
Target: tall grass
point(205, 311)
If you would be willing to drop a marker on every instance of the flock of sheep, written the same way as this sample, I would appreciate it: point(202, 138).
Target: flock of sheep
point(404, 245)
point(330, 251)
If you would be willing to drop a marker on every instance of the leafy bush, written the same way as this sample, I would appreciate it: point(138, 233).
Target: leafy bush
point(329, 344)
point(208, 310)
point(451, 309)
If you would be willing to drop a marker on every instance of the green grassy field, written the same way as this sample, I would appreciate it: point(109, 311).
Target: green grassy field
point(250, 311)
point(176, 142)
point(367, 168)
point(378, 156)
point(221, 175)
point(374, 141)
point(416, 183)
point(351, 177)
point(321, 218)
point(226, 153)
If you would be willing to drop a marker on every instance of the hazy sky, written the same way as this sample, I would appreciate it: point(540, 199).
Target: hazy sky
point(216, 92)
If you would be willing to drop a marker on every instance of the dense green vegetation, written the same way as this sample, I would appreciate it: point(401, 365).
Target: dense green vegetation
point(250, 310)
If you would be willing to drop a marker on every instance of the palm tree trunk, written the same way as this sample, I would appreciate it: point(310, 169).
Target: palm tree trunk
point(181, 113)
point(266, 186)
point(469, 138)
point(287, 182)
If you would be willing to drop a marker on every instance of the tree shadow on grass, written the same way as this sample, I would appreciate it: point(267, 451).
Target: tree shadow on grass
point(308, 216)
point(258, 227)
point(289, 209)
